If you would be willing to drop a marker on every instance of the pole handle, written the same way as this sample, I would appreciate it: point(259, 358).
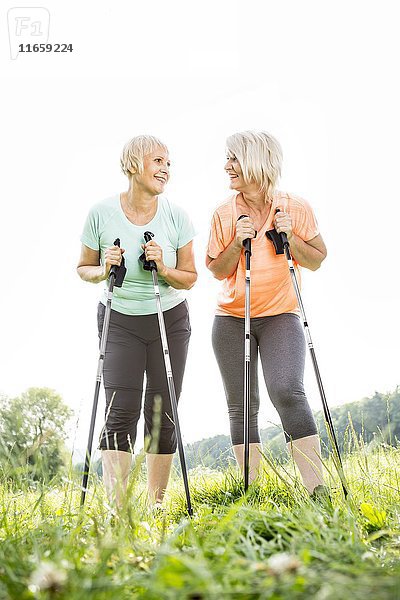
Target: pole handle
point(247, 241)
point(117, 273)
point(114, 268)
point(283, 235)
point(149, 265)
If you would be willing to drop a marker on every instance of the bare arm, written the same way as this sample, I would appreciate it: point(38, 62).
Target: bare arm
point(308, 254)
point(226, 263)
point(89, 267)
point(184, 276)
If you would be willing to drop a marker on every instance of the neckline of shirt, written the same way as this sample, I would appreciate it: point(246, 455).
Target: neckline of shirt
point(267, 223)
point(121, 210)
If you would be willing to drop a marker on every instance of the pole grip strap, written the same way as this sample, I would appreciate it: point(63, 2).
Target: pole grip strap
point(277, 241)
point(280, 241)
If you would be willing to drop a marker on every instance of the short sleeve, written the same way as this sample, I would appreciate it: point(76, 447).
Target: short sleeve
point(216, 242)
point(305, 223)
point(90, 234)
point(186, 230)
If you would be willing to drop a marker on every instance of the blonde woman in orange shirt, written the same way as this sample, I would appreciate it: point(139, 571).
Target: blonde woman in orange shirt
point(276, 334)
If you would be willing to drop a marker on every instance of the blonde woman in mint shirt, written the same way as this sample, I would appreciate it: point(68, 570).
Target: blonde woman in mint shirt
point(134, 345)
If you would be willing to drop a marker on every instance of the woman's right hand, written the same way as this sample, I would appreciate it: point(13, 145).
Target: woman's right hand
point(112, 256)
point(244, 229)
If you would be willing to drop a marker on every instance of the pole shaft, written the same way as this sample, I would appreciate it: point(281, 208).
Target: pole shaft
point(89, 443)
point(103, 344)
point(325, 406)
point(171, 389)
point(246, 388)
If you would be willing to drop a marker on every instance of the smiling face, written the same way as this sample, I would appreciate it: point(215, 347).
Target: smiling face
point(237, 180)
point(254, 163)
point(234, 172)
point(155, 174)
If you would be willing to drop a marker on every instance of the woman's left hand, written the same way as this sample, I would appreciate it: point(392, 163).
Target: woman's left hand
point(283, 223)
point(154, 252)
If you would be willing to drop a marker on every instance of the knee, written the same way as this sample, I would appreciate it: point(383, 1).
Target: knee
point(286, 394)
point(295, 413)
point(120, 421)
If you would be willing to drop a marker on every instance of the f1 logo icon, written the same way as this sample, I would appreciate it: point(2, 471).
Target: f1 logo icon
point(27, 24)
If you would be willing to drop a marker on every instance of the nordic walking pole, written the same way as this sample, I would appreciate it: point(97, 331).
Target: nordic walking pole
point(116, 278)
point(151, 266)
point(246, 388)
point(325, 406)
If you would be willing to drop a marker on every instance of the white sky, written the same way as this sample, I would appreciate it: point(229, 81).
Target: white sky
point(320, 76)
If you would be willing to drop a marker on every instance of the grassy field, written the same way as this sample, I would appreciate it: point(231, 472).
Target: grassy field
point(272, 543)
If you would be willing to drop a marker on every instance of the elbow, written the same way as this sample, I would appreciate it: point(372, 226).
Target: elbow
point(211, 267)
point(323, 257)
point(192, 281)
point(215, 273)
point(315, 266)
point(318, 264)
point(218, 276)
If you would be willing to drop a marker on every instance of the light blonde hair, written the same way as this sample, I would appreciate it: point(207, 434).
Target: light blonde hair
point(135, 150)
point(260, 157)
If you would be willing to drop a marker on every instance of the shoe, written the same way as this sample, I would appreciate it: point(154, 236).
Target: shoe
point(321, 496)
point(157, 508)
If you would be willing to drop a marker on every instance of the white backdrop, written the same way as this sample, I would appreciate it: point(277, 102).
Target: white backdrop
point(320, 76)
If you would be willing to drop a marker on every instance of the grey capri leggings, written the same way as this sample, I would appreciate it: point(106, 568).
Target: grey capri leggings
point(280, 342)
point(134, 348)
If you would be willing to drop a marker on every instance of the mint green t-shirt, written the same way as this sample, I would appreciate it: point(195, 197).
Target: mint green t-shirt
point(172, 229)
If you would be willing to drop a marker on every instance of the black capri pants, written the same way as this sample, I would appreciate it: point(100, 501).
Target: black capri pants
point(279, 340)
point(133, 349)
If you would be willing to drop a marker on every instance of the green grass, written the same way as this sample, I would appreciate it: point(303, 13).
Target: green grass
point(272, 543)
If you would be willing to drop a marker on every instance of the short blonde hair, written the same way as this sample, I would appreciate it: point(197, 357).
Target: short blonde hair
point(260, 158)
point(135, 150)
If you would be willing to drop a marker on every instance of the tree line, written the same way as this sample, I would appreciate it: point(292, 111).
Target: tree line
point(368, 422)
point(33, 434)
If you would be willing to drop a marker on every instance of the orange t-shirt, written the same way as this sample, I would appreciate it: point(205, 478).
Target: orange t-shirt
point(272, 291)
